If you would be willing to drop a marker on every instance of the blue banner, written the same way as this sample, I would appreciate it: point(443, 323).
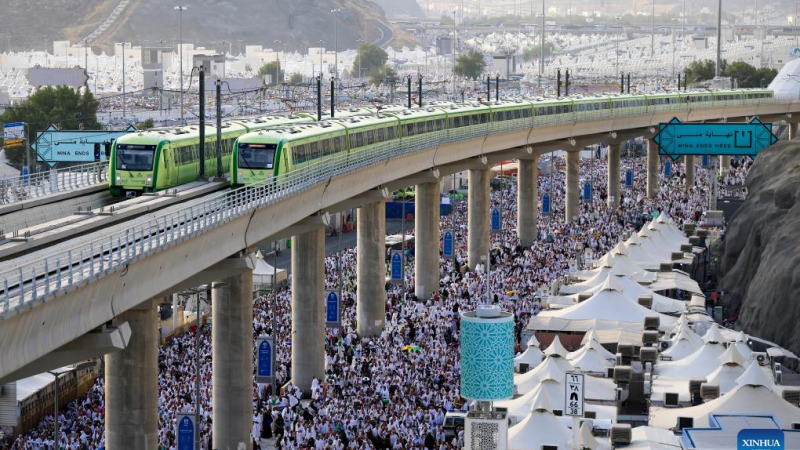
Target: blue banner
point(264, 363)
point(705, 160)
point(676, 139)
point(667, 169)
point(53, 145)
point(332, 309)
point(587, 191)
point(185, 432)
point(760, 439)
point(447, 244)
point(495, 219)
point(629, 178)
point(397, 266)
point(546, 204)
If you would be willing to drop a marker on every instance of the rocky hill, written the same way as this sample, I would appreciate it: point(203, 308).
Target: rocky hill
point(761, 261)
point(298, 24)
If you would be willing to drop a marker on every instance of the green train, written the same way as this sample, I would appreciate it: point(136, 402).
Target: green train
point(255, 150)
point(267, 153)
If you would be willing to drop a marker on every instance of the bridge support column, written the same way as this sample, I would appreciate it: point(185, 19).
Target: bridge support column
point(527, 201)
point(724, 164)
point(573, 189)
point(371, 269)
point(426, 240)
point(478, 216)
point(131, 388)
point(232, 363)
point(688, 162)
point(614, 152)
point(794, 131)
point(308, 318)
point(652, 169)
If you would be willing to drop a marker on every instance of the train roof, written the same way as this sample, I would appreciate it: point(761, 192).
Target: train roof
point(354, 122)
point(183, 133)
point(293, 132)
point(418, 113)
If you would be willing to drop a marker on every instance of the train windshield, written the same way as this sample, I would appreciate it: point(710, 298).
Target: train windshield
point(256, 156)
point(135, 157)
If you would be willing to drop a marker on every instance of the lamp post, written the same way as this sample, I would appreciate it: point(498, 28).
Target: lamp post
point(56, 375)
point(616, 49)
point(321, 73)
point(653, 30)
point(277, 61)
point(336, 11)
point(455, 40)
point(180, 10)
point(86, 62)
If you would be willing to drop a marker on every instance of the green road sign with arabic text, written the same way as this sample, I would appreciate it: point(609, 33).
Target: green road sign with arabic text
point(675, 139)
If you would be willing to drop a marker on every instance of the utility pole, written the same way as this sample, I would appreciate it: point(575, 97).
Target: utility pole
point(653, 31)
point(335, 12)
point(541, 47)
point(124, 106)
point(86, 62)
point(180, 10)
point(718, 70)
point(219, 128)
point(455, 40)
point(278, 62)
point(202, 87)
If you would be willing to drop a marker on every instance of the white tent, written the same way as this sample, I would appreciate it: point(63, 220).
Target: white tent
point(540, 428)
point(619, 259)
point(732, 367)
point(552, 368)
point(752, 395)
point(607, 304)
point(591, 360)
point(532, 356)
point(627, 286)
point(263, 272)
point(590, 340)
point(685, 343)
point(699, 364)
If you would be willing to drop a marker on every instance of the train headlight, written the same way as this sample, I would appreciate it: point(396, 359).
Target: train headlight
point(240, 174)
point(118, 179)
point(148, 181)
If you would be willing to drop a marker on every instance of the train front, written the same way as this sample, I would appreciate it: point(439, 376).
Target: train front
point(133, 165)
point(255, 158)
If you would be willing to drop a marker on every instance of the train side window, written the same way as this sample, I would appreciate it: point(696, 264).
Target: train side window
point(420, 127)
point(456, 122)
point(380, 135)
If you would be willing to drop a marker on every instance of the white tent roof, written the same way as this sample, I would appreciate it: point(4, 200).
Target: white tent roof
point(552, 368)
point(714, 335)
point(675, 280)
point(556, 348)
point(751, 396)
point(521, 406)
point(533, 342)
point(652, 438)
point(684, 344)
point(591, 343)
point(725, 377)
point(697, 365)
point(607, 304)
point(532, 356)
point(541, 427)
point(787, 83)
point(262, 273)
point(591, 361)
point(627, 286)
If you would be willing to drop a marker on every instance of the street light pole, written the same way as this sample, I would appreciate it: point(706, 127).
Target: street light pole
point(616, 49)
point(455, 40)
point(653, 31)
point(278, 62)
point(718, 69)
point(541, 47)
point(180, 10)
point(336, 11)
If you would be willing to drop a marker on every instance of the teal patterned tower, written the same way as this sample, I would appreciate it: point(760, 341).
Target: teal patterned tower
point(487, 354)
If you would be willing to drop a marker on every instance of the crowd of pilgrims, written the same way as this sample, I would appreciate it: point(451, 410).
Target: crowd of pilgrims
point(392, 391)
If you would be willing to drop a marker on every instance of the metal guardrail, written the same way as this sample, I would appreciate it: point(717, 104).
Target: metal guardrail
point(18, 188)
point(35, 282)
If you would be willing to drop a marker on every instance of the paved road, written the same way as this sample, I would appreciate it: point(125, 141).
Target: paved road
point(332, 244)
point(386, 34)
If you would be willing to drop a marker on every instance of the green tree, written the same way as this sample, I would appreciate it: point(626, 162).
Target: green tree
point(62, 105)
point(699, 71)
point(270, 69)
point(295, 79)
point(146, 125)
point(369, 57)
point(380, 74)
point(748, 76)
point(470, 64)
point(532, 52)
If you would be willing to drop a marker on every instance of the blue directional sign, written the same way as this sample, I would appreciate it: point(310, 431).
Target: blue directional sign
point(25, 172)
point(546, 204)
point(332, 309)
point(397, 266)
point(53, 145)
point(587, 191)
point(185, 432)
point(675, 139)
point(667, 169)
point(495, 220)
point(264, 359)
point(629, 178)
point(705, 160)
point(447, 244)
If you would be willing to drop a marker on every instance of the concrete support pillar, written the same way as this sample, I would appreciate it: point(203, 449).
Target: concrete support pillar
point(131, 387)
point(371, 270)
point(652, 169)
point(573, 189)
point(688, 163)
point(232, 361)
point(614, 152)
point(478, 216)
point(426, 240)
point(308, 318)
point(527, 201)
point(794, 130)
point(724, 164)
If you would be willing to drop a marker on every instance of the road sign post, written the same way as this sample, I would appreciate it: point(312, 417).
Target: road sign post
point(546, 204)
point(574, 385)
point(333, 309)
point(676, 139)
point(496, 220)
point(587, 191)
point(264, 350)
point(396, 265)
point(447, 244)
point(667, 169)
point(185, 431)
point(629, 178)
